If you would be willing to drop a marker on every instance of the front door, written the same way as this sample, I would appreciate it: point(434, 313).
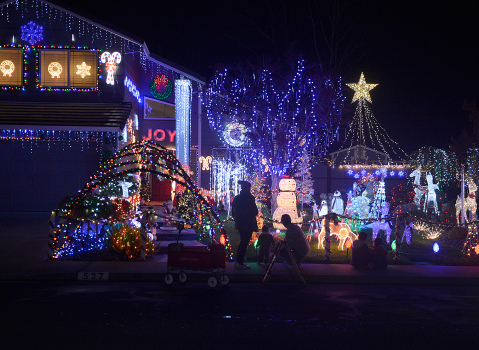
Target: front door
point(160, 190)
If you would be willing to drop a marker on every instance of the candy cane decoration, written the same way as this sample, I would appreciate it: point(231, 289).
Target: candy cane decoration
point(111, 61)
point(205, 161)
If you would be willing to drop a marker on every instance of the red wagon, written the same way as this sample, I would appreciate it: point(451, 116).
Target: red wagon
point(210, 259)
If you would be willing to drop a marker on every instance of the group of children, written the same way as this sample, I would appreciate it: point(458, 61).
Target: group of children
point(363, 258)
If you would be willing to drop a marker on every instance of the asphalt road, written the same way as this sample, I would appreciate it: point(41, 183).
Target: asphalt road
point(104, 315)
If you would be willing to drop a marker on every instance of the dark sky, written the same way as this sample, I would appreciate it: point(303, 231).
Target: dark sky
point(425, 58)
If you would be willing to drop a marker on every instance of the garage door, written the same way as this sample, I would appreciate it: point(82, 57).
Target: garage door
point(36, 176)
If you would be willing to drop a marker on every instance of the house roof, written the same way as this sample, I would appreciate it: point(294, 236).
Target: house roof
point(70, 116)
point(122, 34)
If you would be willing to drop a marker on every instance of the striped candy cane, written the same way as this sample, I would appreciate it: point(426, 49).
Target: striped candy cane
point(111, 61)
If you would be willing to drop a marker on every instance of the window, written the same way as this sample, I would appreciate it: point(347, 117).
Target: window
point(68, 68)
point(83, 68)
point(11, 67)
point(155, 109)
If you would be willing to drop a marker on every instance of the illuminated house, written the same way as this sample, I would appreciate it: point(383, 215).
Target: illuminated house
point(72, 92)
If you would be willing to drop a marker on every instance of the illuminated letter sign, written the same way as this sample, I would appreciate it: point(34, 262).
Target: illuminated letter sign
point(160, 135)
point(132, 88)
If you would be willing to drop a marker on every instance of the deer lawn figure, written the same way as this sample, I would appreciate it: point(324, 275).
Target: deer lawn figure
point(418, 189)
point(470, 203)
point(431, 193)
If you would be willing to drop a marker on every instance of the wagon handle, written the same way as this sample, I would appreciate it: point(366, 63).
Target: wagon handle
point(181, 226)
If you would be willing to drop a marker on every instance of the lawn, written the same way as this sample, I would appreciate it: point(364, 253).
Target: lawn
point(419, 252)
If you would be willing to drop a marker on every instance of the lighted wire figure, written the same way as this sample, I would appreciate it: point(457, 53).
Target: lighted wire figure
point(418, 189)
point(431, 193)
point(470, 203)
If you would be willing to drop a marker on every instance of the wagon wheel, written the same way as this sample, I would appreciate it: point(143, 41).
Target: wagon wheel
point(224, 280)
point(183, 277)
point(212, 282)
point(168, 278)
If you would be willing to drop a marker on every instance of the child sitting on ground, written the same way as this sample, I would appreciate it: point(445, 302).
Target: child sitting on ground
point(265, 242)
point(379, 258)
point(360, 253)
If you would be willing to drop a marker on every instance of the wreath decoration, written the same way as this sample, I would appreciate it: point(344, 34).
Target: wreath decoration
point(7, 71)
point(55, 72)
point(161, 87)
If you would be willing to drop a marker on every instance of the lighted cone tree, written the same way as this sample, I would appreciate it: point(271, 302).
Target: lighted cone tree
point(281, 112)
point(304, 181)
point(365, 129)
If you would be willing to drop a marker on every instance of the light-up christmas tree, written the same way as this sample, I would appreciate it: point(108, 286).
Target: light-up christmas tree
point(304, 181)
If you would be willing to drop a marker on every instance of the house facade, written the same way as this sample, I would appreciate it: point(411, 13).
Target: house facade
point(72, 92)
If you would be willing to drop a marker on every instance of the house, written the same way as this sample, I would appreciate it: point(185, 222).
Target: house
point(72, 92)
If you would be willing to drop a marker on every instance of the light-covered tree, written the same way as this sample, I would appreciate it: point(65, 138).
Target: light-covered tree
point(279, 112)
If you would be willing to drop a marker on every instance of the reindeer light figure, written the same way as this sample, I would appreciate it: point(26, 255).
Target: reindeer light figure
point(431, 193)
point(111, 61)
point(470, 203)
point(418, 189)
point(342, 231)
point(384, 226)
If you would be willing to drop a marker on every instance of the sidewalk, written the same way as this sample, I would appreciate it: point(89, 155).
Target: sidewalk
point(23, 252)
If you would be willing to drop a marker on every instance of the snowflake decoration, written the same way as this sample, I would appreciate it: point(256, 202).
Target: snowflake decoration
point(83, 70)
point(32, 33)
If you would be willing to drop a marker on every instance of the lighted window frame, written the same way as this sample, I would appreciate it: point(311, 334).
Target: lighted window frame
point(16, 57)
point(69, 59)
point(158, 110)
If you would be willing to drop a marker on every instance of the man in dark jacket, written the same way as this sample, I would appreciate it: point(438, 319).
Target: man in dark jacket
point(244, 214)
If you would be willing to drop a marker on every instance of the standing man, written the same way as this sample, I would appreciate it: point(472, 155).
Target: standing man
point(244, 214)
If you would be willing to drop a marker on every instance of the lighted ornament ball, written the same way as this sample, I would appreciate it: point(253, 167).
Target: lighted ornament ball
point(435, 247)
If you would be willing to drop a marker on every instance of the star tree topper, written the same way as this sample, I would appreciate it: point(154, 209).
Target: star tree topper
point(361, 89)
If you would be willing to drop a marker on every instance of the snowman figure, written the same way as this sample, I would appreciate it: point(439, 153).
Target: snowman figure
point(287, 204)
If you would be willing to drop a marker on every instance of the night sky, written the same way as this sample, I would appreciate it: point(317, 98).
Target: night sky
point(424, 58)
